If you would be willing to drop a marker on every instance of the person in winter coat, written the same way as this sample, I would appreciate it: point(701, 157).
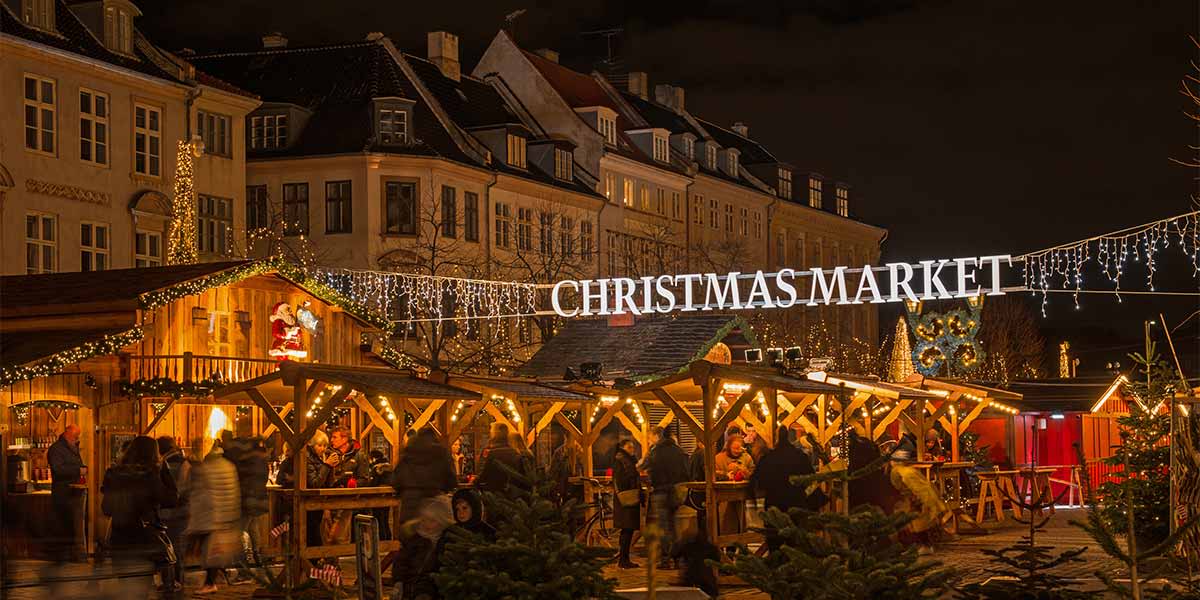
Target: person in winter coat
point(66, 467)
point(176, 518)
point(380, 475)
point(517, 441)
point(667, 464)
point(696, 473)
point(873, 488)
point(319, 466)
point(734, 463)
point(772, 478)
point(250, 457)
point(499, 459)
point(626, 518)
point(755, 444)
point(567, 462)
point(349, 465)
point(216, 505)
point(425, 471)
point(133, 491)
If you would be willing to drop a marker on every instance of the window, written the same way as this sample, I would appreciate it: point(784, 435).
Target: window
point(525, 229)
point(563, 168)
point(745, 222)
point(268, 131)
point(785, 184)
point(40, 111)
point(585, 240)
point(214, 224)
point(610, 185)
point(338, 207)
point(38, 13)
point(814, 192)
point(93, 127)
point(689, 148)
point(41, 243)
point(628, 197)
point(295, 209)
point(713, 220)
point(546, 233)
point(645, 203)
point(471, 216)
point(757, 225)
point(566, 236)
point(608, 128)
point(676, 206)
point(147, 249)
point(698, 211)
point(710, 151)
point(732, 157)
point(661, 153)
point(93, 247)
point(503, 223)
point(449, 212)
point(728, 218)
point(217, 328)
point(781, 248)
point(393, 126)
point(661, 205)
point(257, 216)
point(118, 29)
point(843, 201)
point(400, 207)
point(215, 131)
point(516, 151)
point(147, 140)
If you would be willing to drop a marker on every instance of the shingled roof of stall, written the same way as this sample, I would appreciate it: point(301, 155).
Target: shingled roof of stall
point(651, 347)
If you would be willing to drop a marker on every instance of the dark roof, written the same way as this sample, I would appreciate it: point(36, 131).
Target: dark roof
point(23, 347)
point(661, 116)
point(1058, 395)
point(651, 346)
point(751, 152)
point(525, 389)
point(19, 293)
point(336, 83)
point(383, 381)
point(75, 37)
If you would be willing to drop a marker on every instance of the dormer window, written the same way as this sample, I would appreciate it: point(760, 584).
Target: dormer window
point(731, 157)
point(563, 164)
point(393, 126)
point(608, 128)
point(710, 155)
point(814, 192)
point(516, 151)
point(268, 132)
point(38, 13)
point(785, 184)
point(661, 149)
point(843, 201)
point(689, 148)
point(118, 27)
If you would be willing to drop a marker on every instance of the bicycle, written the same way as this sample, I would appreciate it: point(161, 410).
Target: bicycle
point(597, 529)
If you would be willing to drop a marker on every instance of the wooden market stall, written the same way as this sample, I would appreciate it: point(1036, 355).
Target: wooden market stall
point(370, 390)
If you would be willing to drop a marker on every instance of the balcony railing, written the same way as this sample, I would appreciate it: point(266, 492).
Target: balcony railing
point(197, 367)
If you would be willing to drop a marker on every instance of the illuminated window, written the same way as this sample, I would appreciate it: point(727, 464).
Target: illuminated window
point(785, 184)
point(628, 196)
point(41, 243)
point(645, 204)
point(814, 192)
point(610, 185)
point(268, 131)
point(562, 165)
point(843, 201)
point(661, 151)
point(393, 125)
point(516, 151)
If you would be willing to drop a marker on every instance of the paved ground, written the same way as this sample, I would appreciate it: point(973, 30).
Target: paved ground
point(962, 552)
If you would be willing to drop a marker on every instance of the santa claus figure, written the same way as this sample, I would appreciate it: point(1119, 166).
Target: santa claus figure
point(286, 331)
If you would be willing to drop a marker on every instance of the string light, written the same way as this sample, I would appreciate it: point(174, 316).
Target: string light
point(181, 235)
point(109, 344)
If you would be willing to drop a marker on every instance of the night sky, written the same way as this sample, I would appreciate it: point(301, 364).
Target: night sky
point(965, 127)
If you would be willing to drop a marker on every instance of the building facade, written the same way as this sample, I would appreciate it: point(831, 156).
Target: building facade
point(90, 138)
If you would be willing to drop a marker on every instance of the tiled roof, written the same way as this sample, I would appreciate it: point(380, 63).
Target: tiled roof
point(73, 36)
point(19, 293)
point(651, 346)
point(751, 152)
point(23, 347)
point(336, 83)
point(660, 116)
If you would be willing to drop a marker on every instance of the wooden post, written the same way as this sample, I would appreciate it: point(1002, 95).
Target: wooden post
point(919, 407)
point(187, 366)
point(299, 528)
point(954, 433)
point(772, 397)
point(708, 392)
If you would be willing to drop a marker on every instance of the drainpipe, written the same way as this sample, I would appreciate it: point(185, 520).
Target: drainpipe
point(188, 101)
point(770, 231)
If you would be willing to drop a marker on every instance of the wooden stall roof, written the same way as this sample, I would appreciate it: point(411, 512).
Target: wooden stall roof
point(685, 387)
point(520, 389)
point(373, 381)
point(958, 385)
point(23, 347)
point(876, 387)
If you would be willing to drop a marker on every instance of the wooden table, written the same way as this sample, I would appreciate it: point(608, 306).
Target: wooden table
point(729, 499)
point(362, 498)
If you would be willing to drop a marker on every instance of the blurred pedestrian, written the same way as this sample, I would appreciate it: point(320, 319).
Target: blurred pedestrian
point(627, 514)
point(500, 462)
point(772, 478)
point(214, 519)
point(175, 518)
point(667, 464)
point(249, 456)
point(423, 477)
point(132, 492)
point(381, 475)
point(517, 441)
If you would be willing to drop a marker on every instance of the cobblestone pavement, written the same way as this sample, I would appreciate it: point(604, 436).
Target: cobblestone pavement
point(961, 552)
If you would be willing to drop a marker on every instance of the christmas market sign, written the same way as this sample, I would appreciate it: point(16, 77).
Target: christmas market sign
point(893, 282)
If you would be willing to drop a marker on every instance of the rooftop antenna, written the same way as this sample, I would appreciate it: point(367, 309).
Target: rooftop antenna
point(510, 20)
point(608, 34)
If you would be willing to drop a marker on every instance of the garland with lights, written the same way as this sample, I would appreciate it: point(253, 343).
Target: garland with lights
point(181, 235)
point(161, 387)
point(946, 338)
point(56, 362)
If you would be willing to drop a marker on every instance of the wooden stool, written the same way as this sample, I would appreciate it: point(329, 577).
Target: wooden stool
point(989, 493)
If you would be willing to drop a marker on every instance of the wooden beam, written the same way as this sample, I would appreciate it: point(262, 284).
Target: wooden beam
point(282, 414)
point(680, 412)
point(159, 417)
point(732, 413)
point(276, 419)
point(772, 396)
point(545, 421)
point(975, 412)
point(428, 414)
point(602, 422)
point(499, 415)
point(666, 420)
point(807, 425)
point(323, 414)
point(633, 430)
point(795, 412)
point(464, 420)
point(377, 419)
point(897, 410)
point(856, 403)
point(572, 431)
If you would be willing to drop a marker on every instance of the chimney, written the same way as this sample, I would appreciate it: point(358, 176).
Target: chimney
point(742, 129)
point(274, 40)
point(639, 84)
point(669, 95)
point(374, 36)
point(443, 52)
point(547, 54)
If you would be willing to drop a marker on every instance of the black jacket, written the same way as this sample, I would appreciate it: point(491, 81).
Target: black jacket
point(132, 495)
point(65, 466)
point(668, 465)
point(493, 477)
point(426, 470)
point(772, 476)
point(353, 463)
point(318, 472)
point(875, 488)
point(250, 458)
point(625, 477)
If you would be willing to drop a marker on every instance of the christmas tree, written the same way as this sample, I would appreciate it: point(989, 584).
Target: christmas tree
point(900, 366)
point(534, 555)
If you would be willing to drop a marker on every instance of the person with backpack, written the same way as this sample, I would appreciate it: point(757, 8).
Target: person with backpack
point(133, 491)
point(175, 518)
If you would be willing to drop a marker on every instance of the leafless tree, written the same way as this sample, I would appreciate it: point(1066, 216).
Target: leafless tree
point(1009, 335)
point(282, 237)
